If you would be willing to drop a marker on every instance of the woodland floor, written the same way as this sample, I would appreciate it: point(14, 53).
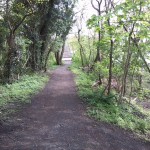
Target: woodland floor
point(56, 120)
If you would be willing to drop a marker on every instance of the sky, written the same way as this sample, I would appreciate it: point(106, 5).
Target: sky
point(83, 7)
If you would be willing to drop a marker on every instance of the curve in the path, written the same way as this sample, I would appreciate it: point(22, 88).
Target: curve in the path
point(56, 120)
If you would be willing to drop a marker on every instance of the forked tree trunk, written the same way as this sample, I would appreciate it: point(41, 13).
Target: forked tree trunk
point(59, 54)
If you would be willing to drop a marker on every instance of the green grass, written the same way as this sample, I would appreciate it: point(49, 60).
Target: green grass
point(20, 91)
point(107, 109)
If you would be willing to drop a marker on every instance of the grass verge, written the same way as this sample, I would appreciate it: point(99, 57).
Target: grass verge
point(20, 92)
point(107, 109)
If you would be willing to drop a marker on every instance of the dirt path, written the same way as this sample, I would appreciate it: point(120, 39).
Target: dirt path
point(56, 120)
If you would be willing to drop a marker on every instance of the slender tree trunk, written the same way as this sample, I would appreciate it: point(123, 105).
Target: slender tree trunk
point(98, 9)
point(90, 54)
point(132, 81)
point(127, 62)
point(139, 51)
point(81, 48)
point(110, 66)
point(142, 57)
point(126, 68)
point(110, 54)
point(98, 54)
point(140, 81)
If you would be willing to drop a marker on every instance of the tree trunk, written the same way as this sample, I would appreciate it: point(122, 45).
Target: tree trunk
point(127, 62)
point(46, 60)
point(131, 82)
point(98, 54)
point(142, 57)
point(57, 57)
point(44, 33)
point(10, 56)
point(110, 66)
point(110, 56)
point(31, 63)
point(126, 68)
point(81, 48)
point(98, 9)
point(62, 51)
point(90, 54)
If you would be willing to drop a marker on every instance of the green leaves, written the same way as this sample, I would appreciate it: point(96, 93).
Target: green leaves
point(94, 22)
point(28, 29)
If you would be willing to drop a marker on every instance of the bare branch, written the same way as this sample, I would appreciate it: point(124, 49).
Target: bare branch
point(94, 6)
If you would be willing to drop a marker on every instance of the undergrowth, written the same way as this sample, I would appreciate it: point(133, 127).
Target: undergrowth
point(107, 108)
point(20, 91)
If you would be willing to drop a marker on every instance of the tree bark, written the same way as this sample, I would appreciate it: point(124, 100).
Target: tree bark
point(81, 48)
point(46, 60)
point(10, 55)
point(62, 51)
point(126, 67)
point(98, 54)
point(57, 57)
point(44, 32)
point(142, 57)
point(110, 65)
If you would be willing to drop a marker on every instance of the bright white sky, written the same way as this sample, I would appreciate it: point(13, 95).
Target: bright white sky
point(86, 5)
point(83, 6)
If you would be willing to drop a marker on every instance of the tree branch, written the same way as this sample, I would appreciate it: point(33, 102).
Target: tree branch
point(139, 51)
point(17, 26)
point(94, 6)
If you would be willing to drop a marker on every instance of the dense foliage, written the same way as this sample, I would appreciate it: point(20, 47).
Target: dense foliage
point(112, 63)
point(117, 47)
point(30, 30)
